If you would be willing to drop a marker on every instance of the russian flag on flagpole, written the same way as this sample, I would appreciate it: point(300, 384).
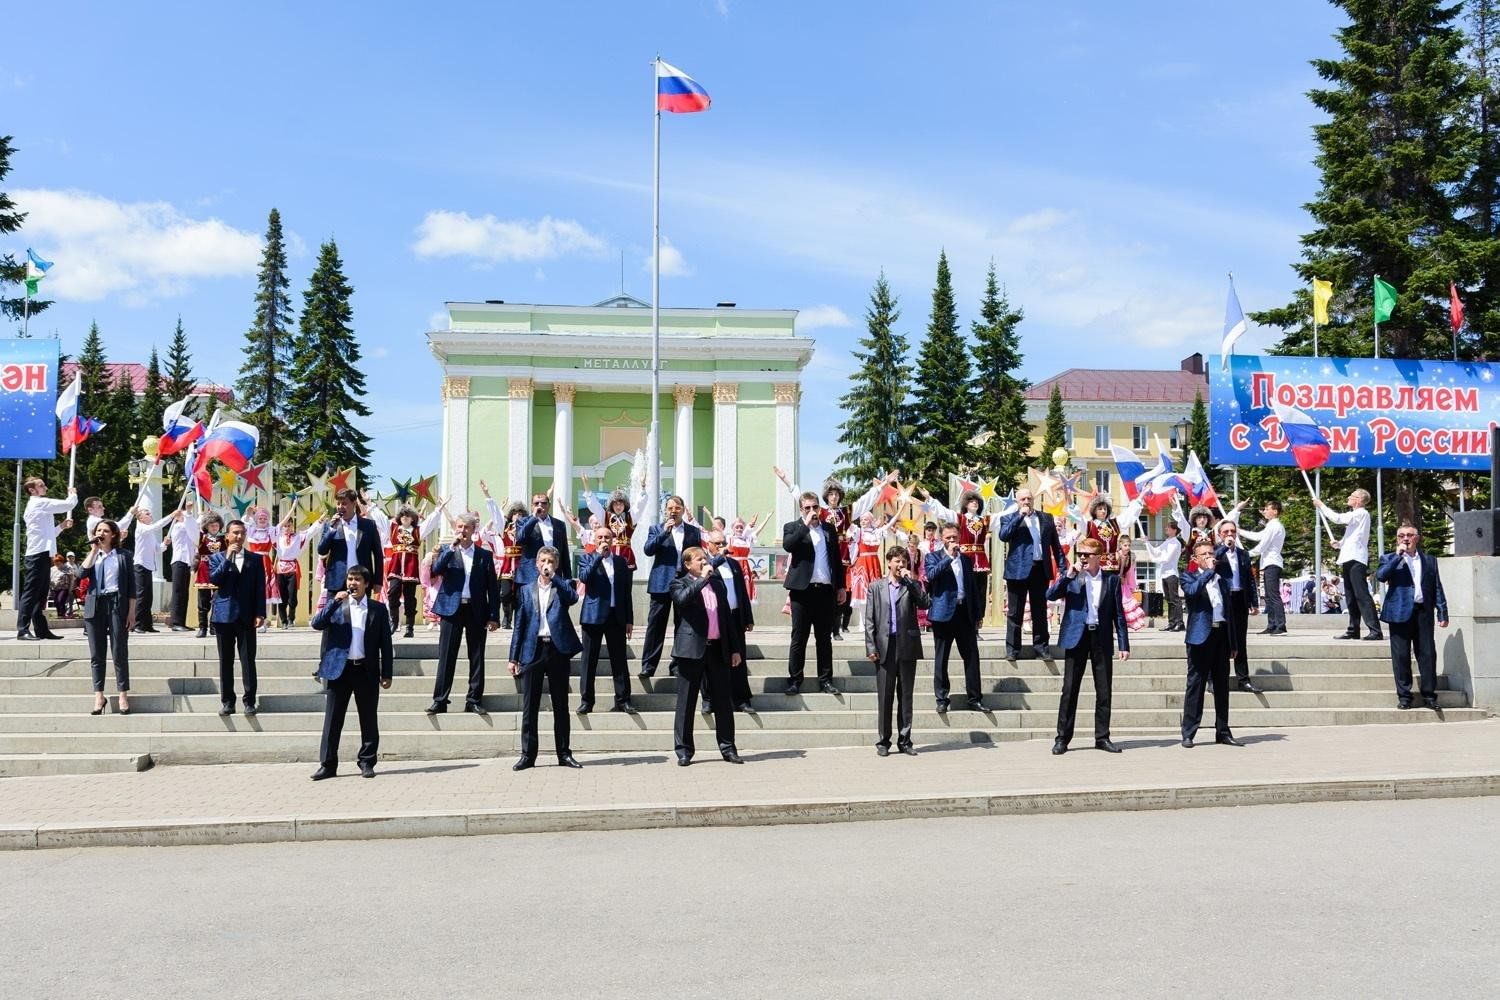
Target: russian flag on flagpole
point(231, 442)
point(178, 431)
point(67, 406)
point(1309, 447)
point(677, 92)
point(1234, 326)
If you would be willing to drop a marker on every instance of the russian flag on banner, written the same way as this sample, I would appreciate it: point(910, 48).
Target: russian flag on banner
point(178, 431)
point(678, 92)
point(231, 442)
point(1309, 447)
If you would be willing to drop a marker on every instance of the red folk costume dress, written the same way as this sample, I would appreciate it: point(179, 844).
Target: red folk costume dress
point(289, 547)
point(621, 522)
point(738, 546)
point(1107, 534)
point(866, 560)
point(261, 540)
point(208, 543)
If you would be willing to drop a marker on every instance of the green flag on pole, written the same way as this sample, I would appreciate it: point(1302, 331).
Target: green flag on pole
point(1385, 300)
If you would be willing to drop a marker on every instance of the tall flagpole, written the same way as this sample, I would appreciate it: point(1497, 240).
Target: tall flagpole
point(1317, 575)
point(653, 440)
point(15, 533)
point(1379, 495)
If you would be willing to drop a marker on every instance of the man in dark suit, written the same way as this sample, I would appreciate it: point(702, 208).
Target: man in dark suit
point(1093, 616)
point(109, 610)
point(955, 594)
point(607, 618)
point(1034, 550)
point(355, 660)
point(542, 641)
point(665, 544)
point(1233, 565)
point(238, 609)
point(815, 587)
point(707, 642)
point(468, 604)
point(1208, 651)
point(1413, 598)
point(738, 593)
point(893, 642)
point(350, 540)
point(537, 531)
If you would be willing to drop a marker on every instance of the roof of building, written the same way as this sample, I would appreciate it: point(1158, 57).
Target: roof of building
point(136, 373)
point(1111, 385)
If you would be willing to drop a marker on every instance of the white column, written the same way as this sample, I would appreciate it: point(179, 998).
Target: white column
point(726, 449)
point(456, 442)
point(682, 442)
point(518, 464)
point(562, 445)
point(787, 394)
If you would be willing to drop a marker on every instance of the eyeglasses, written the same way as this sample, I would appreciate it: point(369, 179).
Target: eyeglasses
point(808, 510)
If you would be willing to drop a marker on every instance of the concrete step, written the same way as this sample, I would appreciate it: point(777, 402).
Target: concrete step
point(27, 765)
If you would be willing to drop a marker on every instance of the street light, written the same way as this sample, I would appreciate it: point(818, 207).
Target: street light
point(1182, 427)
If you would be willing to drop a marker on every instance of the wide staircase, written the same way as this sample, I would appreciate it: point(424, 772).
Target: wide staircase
point(45, 728)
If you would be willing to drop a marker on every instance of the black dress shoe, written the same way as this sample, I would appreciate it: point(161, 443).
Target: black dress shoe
point(568, 760)
point(1012, 654)
point(1228, 740)
point(745, 707)
point(1187, 741)
point(733, 757)
point(436, 708)
point(792, 690)
point(827, 687)
point(683, 760)
point(408, 633)
point(1248, 686)
point(1347, 635)
point(477, 709)
point(1059, 748)
point(367, 770)
point(1266, 631)
point(52, 636)
point(584, 708)
point(1403, 703)
point(251, 708)
point(645, 675)
point(907, 749)
point(1107, 746)
point(324, 772)
point(26, 637)
point(1374, 637)
point(1430, 703)
point(977, 705)
point(523, 764)
point(627, 707)
point(705, 708)
point(227, 708)
point(882, 751)
point(202, 633)
point(942, 708)
point(1042, 652)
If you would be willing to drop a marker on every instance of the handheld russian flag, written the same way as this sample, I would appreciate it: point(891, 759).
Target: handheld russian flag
point(1194, 482)
point(1309, 447)
point(178, 431)
point(1130, 468)
point(79, 430)
point(231, 442)
point(677, 92)
point(67, 403)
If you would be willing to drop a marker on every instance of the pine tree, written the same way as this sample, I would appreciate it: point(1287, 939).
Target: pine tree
point(1055, 429)
point(12, 270)
point(327, 387)
point(1478, 277)
point(102, 459)
point(262, 386)
point(999, 390)
point(1197, 437)
point(874, 436)
point(942, 411)
point(153, 399)
point(180, 382)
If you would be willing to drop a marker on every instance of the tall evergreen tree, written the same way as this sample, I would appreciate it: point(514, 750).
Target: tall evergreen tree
point(180, 381)
point(328, 389)
point(153, 398)
point(1478, 276)
point(262, 387)
point(942, 412)
point(874, 434)
point(1197, 437)
point(101, 461)
point(999, 390)
point(1055, 428)
point(12, 270)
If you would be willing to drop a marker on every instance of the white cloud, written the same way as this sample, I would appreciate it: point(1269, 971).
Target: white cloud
point(821, 318)
point(143, 250)
point(673, 263)
point(495, 241)
point(438, 320)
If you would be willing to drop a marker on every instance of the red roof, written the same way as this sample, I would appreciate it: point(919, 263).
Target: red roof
point(136, 373)
point(1110, 385)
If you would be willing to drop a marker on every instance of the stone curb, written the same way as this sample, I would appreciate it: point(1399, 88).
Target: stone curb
point(487, 822)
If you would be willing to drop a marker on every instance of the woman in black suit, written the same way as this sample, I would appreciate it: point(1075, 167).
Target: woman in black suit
point(108, 611)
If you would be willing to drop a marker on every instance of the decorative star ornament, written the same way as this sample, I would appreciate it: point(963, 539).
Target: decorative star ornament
point(251, 475)
point(311, 518)
point(227, 478)
point(316, 486)
point(987, 488)
point(242, 504)
point(423, 488)
point(402, 489)
point(344, 479)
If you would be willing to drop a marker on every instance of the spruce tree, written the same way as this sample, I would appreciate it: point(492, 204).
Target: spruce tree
point(1197, 434)
point(942, 411)
point(999, 390)
point(327, 387)
point(1054, 429)
point(1478, 276)
point(180, 382)
point(262, 385)
point(12, 269)
point(873, 433)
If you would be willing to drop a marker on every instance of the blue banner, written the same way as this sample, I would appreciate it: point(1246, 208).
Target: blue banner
point(28, 398)
point(1376, 413)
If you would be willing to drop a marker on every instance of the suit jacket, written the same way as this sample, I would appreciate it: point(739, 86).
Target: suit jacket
point(878, 619)
point(662, 548)
point(690, 638)
point(1200, 611)
point(241, 596)
point(529, 537)
point(1073, 591)
point(796, 538)
point(484, 585)
point(368, 553)
point(525, 637)
point(1022, 552)
point(943, 587)
point(596, 591)
point(744, 609)
point(125, 587)
point(1247, 582)
point(333, 621)
point(1401, 588)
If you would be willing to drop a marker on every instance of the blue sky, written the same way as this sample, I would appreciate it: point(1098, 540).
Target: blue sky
point(1114, 165)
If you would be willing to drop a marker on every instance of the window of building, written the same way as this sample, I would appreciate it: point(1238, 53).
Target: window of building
point(1101, 437)
point(1101, 481)
point(1138, 437)
point(1172, 440)
point(1067, 440)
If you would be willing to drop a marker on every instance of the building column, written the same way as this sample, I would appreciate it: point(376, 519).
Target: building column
point(726, 449)
point(518, 464)
point(562, 444)
point(682, 443)
point(787, 394)
point(456, 441)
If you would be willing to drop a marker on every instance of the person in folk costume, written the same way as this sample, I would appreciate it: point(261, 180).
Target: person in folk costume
point(921, 549)
point(1135, 615)
point(369, 508)
point(622, 514)
point(260, 540)
point(1199, 526)
point(974, 528)
point(738, 541)
point(1103, 528)
point(287, 565)
point(403, 562)
point(210, 541)
point(866, 540)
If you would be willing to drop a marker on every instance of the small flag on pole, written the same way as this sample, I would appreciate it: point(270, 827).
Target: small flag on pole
point(1455, 308)
point(677, 92)
point(1385, 300)
point(1309, 447)
point(178, 431)
point(1322, 293)
point(36, 269)
point(1234, 325)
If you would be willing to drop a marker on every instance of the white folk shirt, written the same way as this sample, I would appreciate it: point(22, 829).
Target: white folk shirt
point(107, 572)
point(147, 540)
point(1166, 555)
point(1215, 597)
point(1414, 564)
point(1355, 545)
point(1095, 584)
point(359, 613)
point(41, 529)
point(1270, 538)
point(821, 572)
point(609, 571)
point(466, 553)
point(184, 537)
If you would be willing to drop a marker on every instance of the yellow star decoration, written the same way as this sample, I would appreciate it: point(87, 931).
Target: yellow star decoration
point(227, 479)
point(310, 518)
point(987, 488)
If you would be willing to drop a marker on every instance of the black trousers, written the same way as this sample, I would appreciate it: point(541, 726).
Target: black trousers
point(106, 633)
point(1208, 663)
point(846, 610)
point(945, 635)
point(144, 586)
point(205, 607)
point(286, 585)
point(395, 592)
point(739, 687)
point(1018, 593)
point(657, 616)
point(32, 614)
point(690, 680)
point(360, 679)
point(1171, 589)
point(982, 584)
point(1275, 610)
point(1238, 623)
point(1416, 631)
point(813, 610)
point(1357, 597)
point(611, 635)
point(507, 600)
point(1093, 653)
point(552, 669)
point(182, 585)
point(235, 637)
point(895, 679)
point(466, 626)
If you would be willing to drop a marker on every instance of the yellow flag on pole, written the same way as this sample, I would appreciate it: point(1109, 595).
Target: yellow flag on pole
point(1322, 292)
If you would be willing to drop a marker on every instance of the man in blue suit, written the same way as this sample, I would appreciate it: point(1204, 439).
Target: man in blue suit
point(1413, 598)
point(239, 606)
point(536, 531)
point(468, 604)
point(355, 660)
point(955, 596)
point(665, 544)
point(542, 641)
point(1093, 616)
point(349, 540)
point(607, 618)
point(1029, 562)
point(1208, 651)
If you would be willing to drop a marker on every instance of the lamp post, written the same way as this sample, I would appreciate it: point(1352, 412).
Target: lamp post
point(146, 475)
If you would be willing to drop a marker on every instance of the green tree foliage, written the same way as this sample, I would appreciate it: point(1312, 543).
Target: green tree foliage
point(874, 434)
point(1054, 428)
point(12, 269)
point(942, 413)
point(153, 399)
point(262, 387)
point(180, 382)
point(999, 390)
